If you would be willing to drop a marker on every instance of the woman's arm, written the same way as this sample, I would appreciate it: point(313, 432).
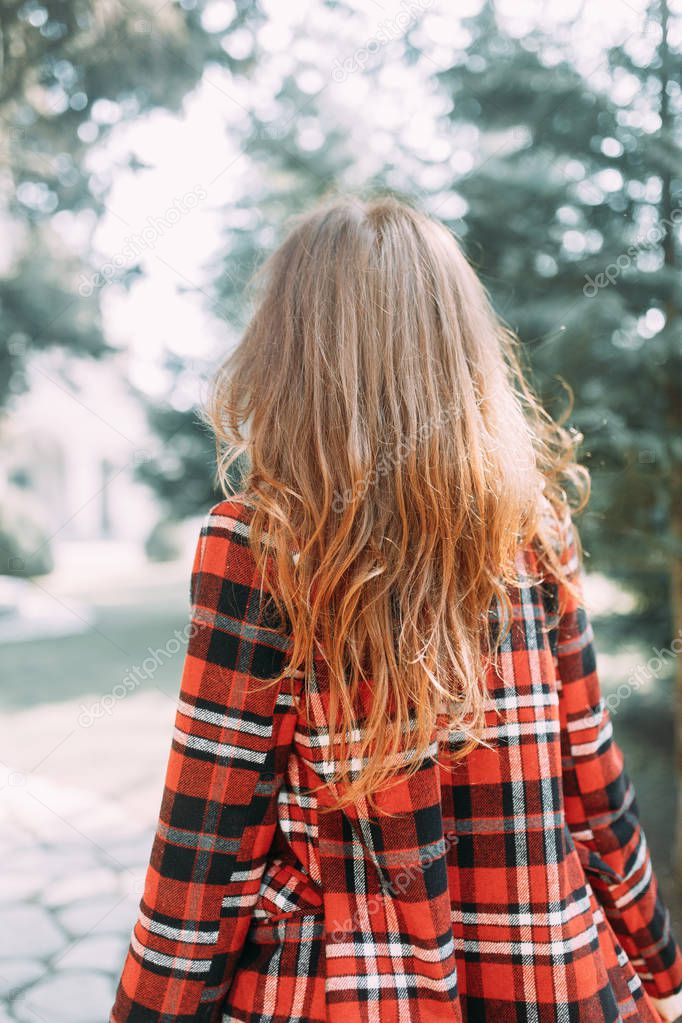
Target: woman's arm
point(219, 812)
point(601, 811)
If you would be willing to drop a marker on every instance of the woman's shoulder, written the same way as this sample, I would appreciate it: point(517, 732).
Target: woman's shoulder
point(555, 556)
point(233, 514)
point(224, 538)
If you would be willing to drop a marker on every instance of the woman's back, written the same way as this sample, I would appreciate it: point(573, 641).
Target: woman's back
point(514, 885)
point(393, 793)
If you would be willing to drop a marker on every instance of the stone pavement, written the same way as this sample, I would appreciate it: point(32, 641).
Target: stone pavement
point(77, 812)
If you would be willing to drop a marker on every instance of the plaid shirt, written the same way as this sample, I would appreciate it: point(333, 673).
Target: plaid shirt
point(514, 886)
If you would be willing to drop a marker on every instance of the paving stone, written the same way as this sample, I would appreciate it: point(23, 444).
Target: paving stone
point(78, 858)
point(97, 952)
point(109, 914)
point(71, 996)
point(18, 885)
point(64, 860)
point(80, 886)
point(135, 852)
point(27, 931)
point(38, 814)
point(16, 973)
point(47, 860)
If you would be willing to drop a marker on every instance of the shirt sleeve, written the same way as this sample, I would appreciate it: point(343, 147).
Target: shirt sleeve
point(219, 809)
point(601, 807)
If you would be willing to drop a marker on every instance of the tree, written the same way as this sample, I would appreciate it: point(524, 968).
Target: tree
point(70, 70)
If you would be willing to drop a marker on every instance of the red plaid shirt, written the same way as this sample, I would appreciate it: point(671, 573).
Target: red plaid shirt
point(516, 886)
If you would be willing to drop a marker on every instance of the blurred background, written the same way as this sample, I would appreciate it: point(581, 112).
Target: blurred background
point(150, 152)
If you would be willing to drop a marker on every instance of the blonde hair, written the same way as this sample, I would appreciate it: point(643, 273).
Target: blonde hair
point(394, 443)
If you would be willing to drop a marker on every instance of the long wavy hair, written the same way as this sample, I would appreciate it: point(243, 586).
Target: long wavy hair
point(397, 460)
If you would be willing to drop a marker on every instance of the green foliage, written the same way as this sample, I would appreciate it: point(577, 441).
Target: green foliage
point(566, 222)
point(69, 71)
point(182, 473)
point(24, 539)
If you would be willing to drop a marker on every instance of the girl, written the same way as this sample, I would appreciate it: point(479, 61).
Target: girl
point(393, 792)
